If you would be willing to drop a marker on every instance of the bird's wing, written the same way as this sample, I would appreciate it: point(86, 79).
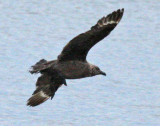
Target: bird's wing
point(79, 46)
point(46, 86)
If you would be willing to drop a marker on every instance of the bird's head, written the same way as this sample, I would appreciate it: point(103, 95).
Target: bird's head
point(96, 71)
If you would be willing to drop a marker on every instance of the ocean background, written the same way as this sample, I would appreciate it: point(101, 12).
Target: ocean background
point(128, 96)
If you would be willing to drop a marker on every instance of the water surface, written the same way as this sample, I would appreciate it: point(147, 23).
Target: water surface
point(130, 55)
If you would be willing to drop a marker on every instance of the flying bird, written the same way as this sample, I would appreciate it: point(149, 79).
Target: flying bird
point(71, 63)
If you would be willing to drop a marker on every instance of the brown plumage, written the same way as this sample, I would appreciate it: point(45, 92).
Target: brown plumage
point(71, 63)
point(79, 46)
point(46, 86)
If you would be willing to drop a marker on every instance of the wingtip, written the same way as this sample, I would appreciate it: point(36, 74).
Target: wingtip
point(37, 99)
point(111, 19)
point(122, 10)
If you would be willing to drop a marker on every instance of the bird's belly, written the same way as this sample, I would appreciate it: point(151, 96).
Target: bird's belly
point(73, 70)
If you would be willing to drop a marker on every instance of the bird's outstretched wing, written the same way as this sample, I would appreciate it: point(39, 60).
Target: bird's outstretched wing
point(46, 86)
point(79, 46)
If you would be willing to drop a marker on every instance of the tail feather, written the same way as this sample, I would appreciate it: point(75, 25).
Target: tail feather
point(37, 99)
point(41, 66)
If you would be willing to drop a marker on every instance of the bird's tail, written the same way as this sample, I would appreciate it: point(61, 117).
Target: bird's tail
point(41, 66)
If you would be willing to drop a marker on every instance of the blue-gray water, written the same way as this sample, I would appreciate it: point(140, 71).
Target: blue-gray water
point(130, 94)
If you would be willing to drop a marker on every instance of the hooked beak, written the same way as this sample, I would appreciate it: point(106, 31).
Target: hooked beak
point(103, 73)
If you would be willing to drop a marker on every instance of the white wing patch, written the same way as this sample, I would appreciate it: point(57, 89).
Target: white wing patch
point(37, 99)
point(105, 21)
point(109, 19)
point(42, 94)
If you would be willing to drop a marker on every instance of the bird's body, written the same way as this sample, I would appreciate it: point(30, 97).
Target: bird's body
point(73, 69)
point(71, 63)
